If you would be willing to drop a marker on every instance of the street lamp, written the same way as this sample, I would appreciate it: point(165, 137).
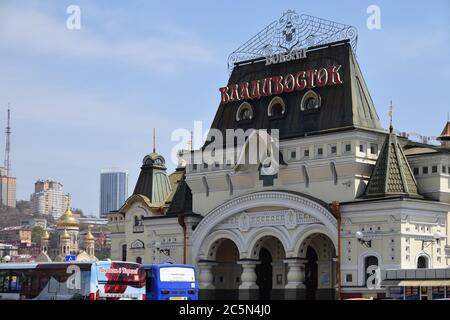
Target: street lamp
point(360, 237)
point(436, 238)
point(157, 246)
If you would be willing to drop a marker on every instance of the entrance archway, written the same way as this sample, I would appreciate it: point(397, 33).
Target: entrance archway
point(264, 274)
point(311, 274)
point(318, 252)
point(226, 272)
point(270, 271)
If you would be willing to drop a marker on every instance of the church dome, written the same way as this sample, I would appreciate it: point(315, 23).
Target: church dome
point(89, 236)
point(65, 235)
point(68, 220)
point(45, 235)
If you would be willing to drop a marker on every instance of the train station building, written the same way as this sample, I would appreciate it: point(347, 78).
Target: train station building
point(348, 197)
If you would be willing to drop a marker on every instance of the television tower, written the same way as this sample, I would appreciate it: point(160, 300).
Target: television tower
point(7, 163)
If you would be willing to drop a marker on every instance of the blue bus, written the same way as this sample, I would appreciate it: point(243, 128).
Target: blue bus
point(171, 282)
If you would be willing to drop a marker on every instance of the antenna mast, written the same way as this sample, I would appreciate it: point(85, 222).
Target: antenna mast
point(7, 163)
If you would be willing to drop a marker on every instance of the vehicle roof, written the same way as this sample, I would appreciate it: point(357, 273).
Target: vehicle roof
point(160, 265)
point(26, 265)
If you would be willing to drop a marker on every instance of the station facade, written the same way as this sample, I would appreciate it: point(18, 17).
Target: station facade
point(347, 200)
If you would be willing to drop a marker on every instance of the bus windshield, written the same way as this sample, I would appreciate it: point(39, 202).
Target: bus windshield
point(176, 274)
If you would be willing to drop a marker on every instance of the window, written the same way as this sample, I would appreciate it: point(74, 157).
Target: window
point(433, 169)
point(348, 147)
point(373, 148)
point(348, 277)
point(276, 107)
point(369, 261)
point(425, 170)
point(244, 112)
point(306, 153)
point(139, 260)
point(319, 151)
point(205, 166)
point(310, 101)
point(333, 149)
point(361, 148)
point(444, 169)
point(293, 154)
point(194, 167)
point(416, 171)
point(422, 262)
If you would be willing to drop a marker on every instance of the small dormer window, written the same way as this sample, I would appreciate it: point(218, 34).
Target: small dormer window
point(310, 101)
point(245, 112)
point(276, 108)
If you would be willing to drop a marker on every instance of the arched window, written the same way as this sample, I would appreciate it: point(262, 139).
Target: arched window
point(334, 173)
point(276, 107)
point(139, 260)
point(124, 252)
point(136, 221)
point(310, 101)
point(369, 261)
point(422, 262)
point(244, 112)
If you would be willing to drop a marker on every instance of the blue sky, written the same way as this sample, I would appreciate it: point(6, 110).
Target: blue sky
point(88, 99)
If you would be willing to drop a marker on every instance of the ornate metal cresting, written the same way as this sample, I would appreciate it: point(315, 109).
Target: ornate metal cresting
point(290, 32)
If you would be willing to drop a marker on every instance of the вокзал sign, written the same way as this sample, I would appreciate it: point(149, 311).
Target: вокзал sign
point(309, 79)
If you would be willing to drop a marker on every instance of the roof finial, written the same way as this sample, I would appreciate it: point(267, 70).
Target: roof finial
point(190, 142)
point(390, 119)
point(154, 140)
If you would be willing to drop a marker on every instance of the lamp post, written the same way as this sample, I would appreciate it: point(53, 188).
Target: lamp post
point(360, 237)
point(436, 238)
point(157, 246)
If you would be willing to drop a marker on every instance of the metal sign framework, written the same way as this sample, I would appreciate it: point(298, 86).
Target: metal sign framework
point(292, 31)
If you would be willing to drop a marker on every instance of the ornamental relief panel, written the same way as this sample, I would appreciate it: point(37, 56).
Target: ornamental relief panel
point(244, 221)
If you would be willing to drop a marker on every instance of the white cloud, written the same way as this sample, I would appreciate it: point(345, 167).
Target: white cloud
point(31, 31)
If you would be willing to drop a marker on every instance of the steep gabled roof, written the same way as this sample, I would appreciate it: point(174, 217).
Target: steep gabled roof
point(344, 106)
point(391, 174)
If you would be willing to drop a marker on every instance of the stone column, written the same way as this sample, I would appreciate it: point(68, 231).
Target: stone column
point(295, 287)
point(205, 279)
point(248, 290)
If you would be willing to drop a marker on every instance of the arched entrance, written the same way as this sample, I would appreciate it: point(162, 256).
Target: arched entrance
point(270, 269)
point(266, 229)
point(311, 274)
point(226, 272)
point(320, 269)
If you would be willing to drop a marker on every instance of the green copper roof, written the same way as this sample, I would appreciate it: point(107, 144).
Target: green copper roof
point(391, 174)
point(153, 181)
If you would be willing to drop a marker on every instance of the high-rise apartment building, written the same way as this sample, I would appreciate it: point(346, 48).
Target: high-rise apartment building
point(49, 198)
point(113, 189)
point(7, 190)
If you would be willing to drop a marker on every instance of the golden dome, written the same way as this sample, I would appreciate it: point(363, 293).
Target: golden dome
point(89, 236)
point(68, 219)
point(45, 235)
point(65, 235)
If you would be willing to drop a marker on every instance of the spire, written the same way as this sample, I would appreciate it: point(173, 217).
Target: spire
point(444, 137)
point(391, 128)
point(154, 140)
point(392, 174)
point(7, 163)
